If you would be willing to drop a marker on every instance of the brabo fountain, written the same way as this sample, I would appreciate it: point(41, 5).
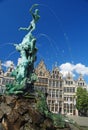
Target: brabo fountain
point(21, 108)
point(24, 72)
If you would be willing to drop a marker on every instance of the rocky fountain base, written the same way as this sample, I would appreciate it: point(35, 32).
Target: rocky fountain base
point(22, 113)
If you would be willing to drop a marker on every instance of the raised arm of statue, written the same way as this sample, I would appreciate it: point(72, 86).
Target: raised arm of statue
point(35, 16)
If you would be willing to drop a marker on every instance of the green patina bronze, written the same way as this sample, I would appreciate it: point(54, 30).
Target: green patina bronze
point(24, 72)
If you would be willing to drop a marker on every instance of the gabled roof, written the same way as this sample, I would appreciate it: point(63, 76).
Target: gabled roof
point(41, 69)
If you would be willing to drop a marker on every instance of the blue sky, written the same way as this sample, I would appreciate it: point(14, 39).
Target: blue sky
point(62, 32)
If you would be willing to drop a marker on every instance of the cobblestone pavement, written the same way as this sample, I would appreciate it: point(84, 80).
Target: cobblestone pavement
point(81, 121)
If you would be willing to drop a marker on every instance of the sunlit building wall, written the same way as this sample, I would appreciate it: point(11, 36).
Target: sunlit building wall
point(60, 92)
point(5, 77)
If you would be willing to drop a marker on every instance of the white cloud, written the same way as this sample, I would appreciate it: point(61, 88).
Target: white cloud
point(67, 67)
point(8, 63)
point(73, 68)
point(80, 68)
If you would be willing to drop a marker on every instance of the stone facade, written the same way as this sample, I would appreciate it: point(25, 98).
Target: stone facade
point(5, 77)
point(55, 91)
point(61, 92)
point(43, 75)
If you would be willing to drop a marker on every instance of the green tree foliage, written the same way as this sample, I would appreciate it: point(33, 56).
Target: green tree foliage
point(42, 106)
point(82, 101)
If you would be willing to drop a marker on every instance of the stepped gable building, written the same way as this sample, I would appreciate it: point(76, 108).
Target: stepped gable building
point(5, 77)
point(55, 91)
point(52, 84)
point(81, 82)
point(43, 75)
point(61, 92)
point(69, 95)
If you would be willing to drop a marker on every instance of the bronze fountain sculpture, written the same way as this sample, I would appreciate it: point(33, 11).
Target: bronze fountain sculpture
point(24, 72)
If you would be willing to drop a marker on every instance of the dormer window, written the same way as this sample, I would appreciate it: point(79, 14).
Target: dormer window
point(41, 73)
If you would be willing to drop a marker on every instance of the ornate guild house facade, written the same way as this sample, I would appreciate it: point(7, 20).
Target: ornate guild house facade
point(5, 77)
point(61, 92)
